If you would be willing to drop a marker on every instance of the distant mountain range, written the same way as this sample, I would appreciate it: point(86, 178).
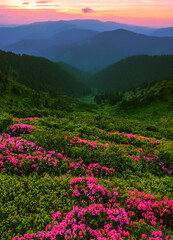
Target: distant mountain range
point(10, 35)
point(41, 74)
point(40, 30)
point(132, 72)
point(33, 46)
point(89, 45)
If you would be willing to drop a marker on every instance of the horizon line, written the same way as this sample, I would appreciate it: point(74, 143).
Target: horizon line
point(78, 19)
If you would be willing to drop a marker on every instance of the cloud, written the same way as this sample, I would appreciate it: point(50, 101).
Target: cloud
point(25, 3)
point(43, 2)
point(87, 10)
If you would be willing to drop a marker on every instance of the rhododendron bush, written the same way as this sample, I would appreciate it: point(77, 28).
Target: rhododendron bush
point(103, 218)
point(64, 180)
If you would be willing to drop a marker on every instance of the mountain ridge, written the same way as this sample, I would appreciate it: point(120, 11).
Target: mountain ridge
point(107, 48)
point(32, 46)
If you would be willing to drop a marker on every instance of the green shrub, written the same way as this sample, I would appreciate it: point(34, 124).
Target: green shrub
point(5, 121)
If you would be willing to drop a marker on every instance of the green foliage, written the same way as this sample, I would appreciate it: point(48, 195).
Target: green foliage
point(154, 91)
point(5, 121)
point(26, 203)
point(110, 98)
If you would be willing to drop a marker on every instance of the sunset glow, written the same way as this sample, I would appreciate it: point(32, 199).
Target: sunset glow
point(138, 12)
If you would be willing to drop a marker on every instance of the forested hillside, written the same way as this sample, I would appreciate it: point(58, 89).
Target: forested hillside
point(132, 72)
point(40, 74)
point(19, 100)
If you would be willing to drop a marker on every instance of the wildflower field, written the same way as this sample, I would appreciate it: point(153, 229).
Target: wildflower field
point(84, 176)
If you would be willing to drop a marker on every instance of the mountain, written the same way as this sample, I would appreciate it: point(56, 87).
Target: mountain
point(9, 35)
point(107, 48)
point(32, 46)
point(100, 26)
point(40, 74)
point(40, 30)
point(132, 72)
point(163, 32)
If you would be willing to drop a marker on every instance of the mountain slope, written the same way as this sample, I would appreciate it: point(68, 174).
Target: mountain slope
point(161, 90)
point(17, 99)
point(81, 75)
point(132, 72)
point(107, 48)
point(150, 102)
point(32, 46)
point(40, 74)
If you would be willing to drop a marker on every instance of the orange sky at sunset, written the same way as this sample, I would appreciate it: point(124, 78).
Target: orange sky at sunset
point(157, 13)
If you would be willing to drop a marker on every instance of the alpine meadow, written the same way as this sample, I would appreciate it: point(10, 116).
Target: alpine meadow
point(86, 120)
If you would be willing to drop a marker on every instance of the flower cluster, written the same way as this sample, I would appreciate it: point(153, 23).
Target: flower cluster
point(96, 169)
point(107, 224)
point(25, 119)
point(156, 235)
point(102, 218)
point(92, 144)
point(17, 129)
point(149, 209)
point(22, 156)
point(152, 157)
point(131, 137)
point(87, 190)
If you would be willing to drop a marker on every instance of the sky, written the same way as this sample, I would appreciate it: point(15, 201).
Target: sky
point(152, 13)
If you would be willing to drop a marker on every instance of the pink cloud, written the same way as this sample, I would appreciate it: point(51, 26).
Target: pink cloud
point(43, 2)
point(87, 10)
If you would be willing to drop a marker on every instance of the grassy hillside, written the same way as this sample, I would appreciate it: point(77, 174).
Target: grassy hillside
point(152, 102)
point(19, 100)
point(132, 72)
point(40, 74)
point(112, 169)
